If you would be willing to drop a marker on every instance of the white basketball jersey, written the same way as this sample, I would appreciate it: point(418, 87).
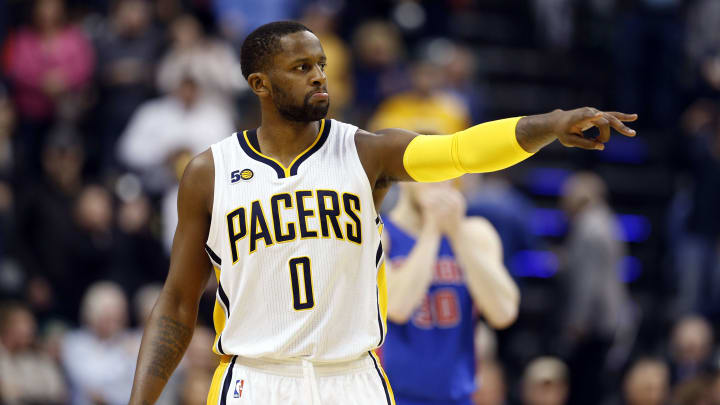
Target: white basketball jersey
point(296, 251)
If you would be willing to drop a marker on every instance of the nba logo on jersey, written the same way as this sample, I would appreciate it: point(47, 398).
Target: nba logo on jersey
point(238, 388)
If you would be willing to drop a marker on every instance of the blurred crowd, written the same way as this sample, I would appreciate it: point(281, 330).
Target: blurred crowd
point(103, 103)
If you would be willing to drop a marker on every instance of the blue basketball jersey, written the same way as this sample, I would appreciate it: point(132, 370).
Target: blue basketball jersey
point(431, 358)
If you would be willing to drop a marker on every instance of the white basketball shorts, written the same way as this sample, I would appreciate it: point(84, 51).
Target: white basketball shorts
point(244, 381)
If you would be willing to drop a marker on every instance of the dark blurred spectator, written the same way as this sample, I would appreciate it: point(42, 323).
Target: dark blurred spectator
point(211, 63)
point(46, 62)
point(647, 383)
point(426, 108)
point(599, 307)
point(460, 71)
point(554, 23)
point(27, 375)
point(127, 48)
point(378, 67)
point(697, 256)
point(99, 358)
point(646, 48)
point(493, 197)
point(701, 390)
point(7, 128)
point(137, 253)
point(545, 382)
point(492, 389)
point(703, 18)
point(45, 226)
point(159, 129)
point(321, 18)
point(691, 347)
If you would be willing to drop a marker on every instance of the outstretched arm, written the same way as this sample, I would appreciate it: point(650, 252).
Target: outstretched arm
point(173, 319)
point(401, 155)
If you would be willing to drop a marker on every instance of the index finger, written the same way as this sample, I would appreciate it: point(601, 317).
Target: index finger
point(622, 116)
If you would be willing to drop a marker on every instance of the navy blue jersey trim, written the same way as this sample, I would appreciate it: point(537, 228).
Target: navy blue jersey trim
point(378, 255)
point(318, 145)
point(380, 325)
point(252, 134)
point(224, 298)
point(226, 383)
point(220, 349)
point(387, 394)
point(212, 255)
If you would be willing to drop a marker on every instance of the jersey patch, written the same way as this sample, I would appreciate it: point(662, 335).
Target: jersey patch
point(237, 175)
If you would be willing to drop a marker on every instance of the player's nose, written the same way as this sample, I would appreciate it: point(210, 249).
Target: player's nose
point(319, 78)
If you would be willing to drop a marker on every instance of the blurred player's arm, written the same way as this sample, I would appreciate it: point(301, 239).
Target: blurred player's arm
point(402, 155)
point(173, 318)
point(478, 248)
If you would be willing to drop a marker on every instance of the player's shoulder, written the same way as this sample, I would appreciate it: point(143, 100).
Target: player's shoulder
point(482, 231)
point(199, 174)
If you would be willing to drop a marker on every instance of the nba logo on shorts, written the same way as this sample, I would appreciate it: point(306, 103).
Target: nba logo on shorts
point(238, 388)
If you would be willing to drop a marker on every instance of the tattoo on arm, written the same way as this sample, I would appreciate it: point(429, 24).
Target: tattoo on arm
point(168, 346)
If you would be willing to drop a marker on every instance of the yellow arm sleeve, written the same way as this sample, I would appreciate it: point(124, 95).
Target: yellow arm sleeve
point(483, 148)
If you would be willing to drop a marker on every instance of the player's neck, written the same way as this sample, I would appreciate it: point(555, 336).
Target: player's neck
point(284, 140)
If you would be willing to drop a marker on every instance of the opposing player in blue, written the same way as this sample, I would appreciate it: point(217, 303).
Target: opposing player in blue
point(445, 271)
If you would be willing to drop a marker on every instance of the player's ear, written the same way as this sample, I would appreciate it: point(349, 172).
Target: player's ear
point(259, 84)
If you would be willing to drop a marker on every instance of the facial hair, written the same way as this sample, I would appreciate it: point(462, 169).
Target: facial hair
point(300, 113)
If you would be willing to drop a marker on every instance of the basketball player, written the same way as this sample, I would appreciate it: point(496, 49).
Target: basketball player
point(287, 215)
point(445, 269)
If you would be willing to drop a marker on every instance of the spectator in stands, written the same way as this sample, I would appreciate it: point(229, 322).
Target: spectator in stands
point(127, 47)
point(598, 302)
point(703, 389)
point(697, 260)
point(46, 62)
point(27, 375)
point(545, 382)
point(647, 383)
point(7, 129)
point(137, 258)
point(45, 213)
point(211, 63)
point(426, 108)
point(691, 347)
point(99, 358)
point(379, 69)
point(161, 128)
point(491, 385)
point(461, 76)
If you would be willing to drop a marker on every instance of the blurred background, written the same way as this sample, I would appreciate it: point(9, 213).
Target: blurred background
point(103, 102)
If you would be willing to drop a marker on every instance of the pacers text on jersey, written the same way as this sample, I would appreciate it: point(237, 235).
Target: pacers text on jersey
point(338, 216)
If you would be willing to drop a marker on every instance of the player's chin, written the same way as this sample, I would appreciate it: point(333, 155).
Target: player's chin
point(319, 111)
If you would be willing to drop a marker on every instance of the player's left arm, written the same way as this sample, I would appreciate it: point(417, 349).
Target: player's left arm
point(402, 155)
point(478, 248)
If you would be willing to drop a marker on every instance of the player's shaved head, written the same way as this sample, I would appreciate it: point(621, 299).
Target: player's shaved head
point(263, 43)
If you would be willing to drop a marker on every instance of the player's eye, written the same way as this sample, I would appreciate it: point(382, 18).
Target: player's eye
point(303, 67)
point(322, 66)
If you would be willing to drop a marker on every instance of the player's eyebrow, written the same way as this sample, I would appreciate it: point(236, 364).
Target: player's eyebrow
point(322, 58)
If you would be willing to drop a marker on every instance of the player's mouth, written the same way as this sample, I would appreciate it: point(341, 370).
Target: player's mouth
point(321, 95)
